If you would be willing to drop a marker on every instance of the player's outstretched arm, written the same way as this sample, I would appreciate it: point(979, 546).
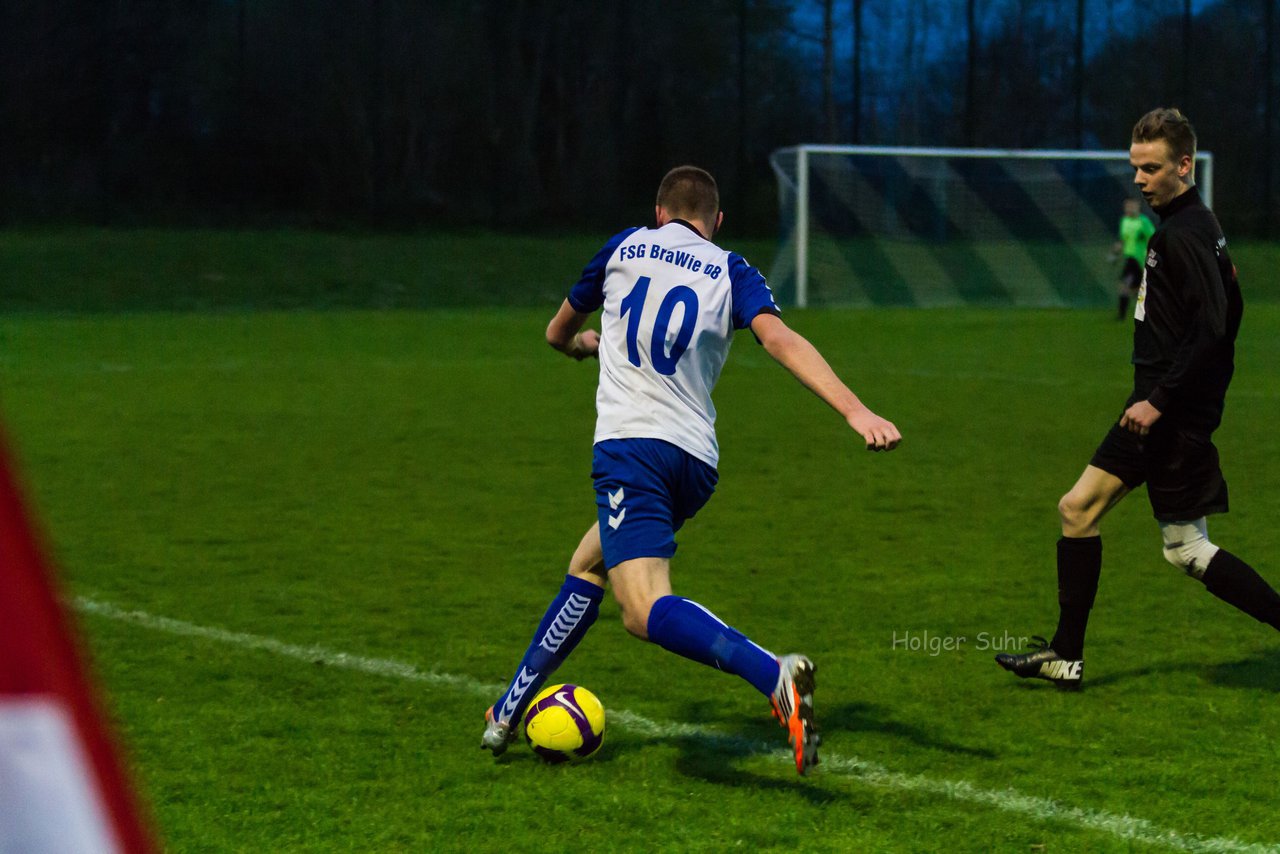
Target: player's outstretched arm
point(564, 333)
point(794, 352)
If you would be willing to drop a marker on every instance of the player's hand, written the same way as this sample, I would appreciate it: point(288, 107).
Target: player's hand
point(1140, 418)
point(879, 433)
point(586, 345)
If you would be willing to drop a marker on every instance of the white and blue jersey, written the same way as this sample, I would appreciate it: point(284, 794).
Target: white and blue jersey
point(672, 301)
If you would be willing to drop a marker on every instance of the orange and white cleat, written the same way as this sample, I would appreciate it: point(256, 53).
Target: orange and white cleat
point(497, 734)
point(792, 703)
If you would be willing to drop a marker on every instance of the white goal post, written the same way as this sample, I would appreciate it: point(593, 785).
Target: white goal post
point(871, 225)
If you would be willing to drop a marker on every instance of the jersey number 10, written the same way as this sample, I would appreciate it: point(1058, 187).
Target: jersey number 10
point(633, 304)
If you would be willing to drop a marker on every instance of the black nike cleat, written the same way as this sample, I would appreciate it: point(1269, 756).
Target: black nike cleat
point(1043, 663)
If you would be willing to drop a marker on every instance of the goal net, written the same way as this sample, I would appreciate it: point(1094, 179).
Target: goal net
point(938, 227)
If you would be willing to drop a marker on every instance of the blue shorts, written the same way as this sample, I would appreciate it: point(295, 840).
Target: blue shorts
point(645, 490)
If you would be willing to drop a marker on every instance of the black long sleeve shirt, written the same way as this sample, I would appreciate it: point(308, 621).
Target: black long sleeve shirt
point(1188, 315)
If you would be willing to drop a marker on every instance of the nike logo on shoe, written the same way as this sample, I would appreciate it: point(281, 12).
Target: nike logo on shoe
point(1062, 669)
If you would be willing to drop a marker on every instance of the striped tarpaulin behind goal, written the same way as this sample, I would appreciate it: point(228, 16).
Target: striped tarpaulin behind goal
point(940, 227)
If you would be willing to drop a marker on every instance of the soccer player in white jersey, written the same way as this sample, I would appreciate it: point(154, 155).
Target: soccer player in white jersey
point(671, 301)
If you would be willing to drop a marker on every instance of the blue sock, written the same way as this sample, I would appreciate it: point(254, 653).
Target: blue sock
point(567, 619)
point(688, 629)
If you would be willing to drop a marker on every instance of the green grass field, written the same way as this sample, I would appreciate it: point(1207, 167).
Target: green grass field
point(96, 270)
point(307, 548)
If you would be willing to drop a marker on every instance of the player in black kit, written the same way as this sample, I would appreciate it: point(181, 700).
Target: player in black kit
point(1185, 323)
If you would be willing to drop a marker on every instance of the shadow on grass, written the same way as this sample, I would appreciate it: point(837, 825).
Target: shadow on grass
point(865, 717)
point(1259, 671)
point(704, 754)
point(712, 760)
point(713, 756)
point(522, 754)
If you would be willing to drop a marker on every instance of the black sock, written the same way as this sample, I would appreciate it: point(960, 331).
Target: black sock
point(1079, 565)
point(1236, 583)
point(1124, 308)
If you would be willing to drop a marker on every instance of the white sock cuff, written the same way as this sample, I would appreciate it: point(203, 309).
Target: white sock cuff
point(1187, 546)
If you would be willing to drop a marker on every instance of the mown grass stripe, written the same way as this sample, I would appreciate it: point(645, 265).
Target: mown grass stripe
point(869, 773)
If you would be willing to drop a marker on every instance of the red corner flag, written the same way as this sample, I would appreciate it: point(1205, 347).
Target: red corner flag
point(62, 788)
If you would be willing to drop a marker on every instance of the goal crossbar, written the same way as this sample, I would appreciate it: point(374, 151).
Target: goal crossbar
point(938, 191)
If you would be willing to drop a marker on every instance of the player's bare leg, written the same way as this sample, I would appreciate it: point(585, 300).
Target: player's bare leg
point(588, 558)
point(1090, 499)
point(637, 584)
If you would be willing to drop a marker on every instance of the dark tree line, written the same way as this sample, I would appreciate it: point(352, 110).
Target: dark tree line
point(561, 112)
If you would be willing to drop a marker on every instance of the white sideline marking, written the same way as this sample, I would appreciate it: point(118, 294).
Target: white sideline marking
point(870, 773)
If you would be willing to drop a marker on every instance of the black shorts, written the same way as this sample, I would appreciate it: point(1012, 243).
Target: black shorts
point(1131, 275)
point(1179, 466)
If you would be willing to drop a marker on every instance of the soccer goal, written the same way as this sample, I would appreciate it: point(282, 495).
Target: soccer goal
point(866, 225)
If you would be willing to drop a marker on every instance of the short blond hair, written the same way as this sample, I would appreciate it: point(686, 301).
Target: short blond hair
point(1169, 124)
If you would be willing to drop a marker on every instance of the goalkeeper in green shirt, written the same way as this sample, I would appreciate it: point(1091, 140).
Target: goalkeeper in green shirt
point(1135, 231)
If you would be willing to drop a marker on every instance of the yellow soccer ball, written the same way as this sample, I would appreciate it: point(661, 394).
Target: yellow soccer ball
point(564, 723)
